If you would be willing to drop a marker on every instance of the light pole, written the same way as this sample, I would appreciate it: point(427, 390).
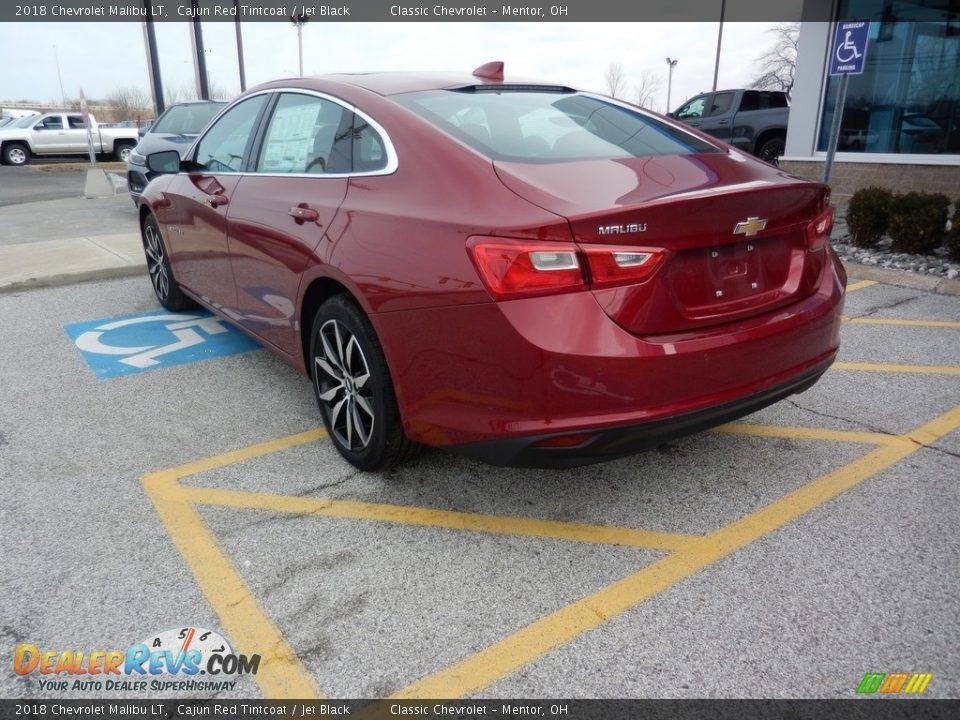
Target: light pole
point(298, 20)
point(716, 66)
point(671, 64)
point(63, 95)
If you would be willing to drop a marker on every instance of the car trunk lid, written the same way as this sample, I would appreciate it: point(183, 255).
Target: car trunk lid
point(732, 232)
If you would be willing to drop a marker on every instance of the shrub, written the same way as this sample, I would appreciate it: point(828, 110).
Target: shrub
point(918, 221)
point(953, 237)
point(868, 215)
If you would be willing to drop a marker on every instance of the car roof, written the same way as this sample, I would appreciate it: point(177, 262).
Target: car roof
point(396, 83)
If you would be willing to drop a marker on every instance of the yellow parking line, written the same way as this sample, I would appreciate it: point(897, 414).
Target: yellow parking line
point(247, 453)
point(431, 517)
point(949, 324)
point(893, 368)
point(805, 433)
point(860, 285)
point(562, 626)
point(281, 674)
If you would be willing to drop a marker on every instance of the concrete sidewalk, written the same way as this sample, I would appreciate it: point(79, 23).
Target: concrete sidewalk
point(63, 262)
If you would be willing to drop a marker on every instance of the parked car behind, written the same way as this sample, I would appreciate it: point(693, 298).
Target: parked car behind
point(61, 134)
point(518, 271)
point(752, 120)
point(175, 129)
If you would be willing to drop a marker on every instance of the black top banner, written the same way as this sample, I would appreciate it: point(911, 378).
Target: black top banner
point(854, 709)
point(426, 11)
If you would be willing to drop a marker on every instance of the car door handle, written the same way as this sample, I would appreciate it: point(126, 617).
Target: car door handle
point(217, 200)
point(302, 213)
point(723, 122)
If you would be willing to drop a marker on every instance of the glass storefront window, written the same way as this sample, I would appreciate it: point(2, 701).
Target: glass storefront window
point(907, 100)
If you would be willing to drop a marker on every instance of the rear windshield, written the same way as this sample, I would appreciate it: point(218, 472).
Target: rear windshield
point(186, 119)
point(544, 126)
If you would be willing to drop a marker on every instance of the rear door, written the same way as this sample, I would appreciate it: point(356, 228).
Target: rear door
point(196, 227)
point(282, 209)
point(718, 115)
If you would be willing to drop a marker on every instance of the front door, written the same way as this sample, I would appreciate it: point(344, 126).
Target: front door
point(199, 201)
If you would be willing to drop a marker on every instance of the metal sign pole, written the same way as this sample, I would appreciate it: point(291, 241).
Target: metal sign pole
point(85, 114)
point(835, 126)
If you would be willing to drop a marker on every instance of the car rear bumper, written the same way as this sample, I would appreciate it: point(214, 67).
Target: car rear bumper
point(493, 379)
point(616, 442)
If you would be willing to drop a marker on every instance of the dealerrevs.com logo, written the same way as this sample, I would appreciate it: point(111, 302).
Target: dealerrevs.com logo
point(185, 653)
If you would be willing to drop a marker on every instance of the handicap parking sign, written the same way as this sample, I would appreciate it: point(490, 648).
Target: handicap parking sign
point(849, 47)
point(149, 341)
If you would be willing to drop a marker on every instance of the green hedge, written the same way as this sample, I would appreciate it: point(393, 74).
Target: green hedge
point(953, 237)
point(868, 215)
point(918, 221)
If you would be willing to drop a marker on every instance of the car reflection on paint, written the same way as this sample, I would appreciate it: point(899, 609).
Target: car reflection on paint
point(517, 271)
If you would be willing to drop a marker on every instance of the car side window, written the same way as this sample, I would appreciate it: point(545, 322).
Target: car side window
point(307, 134)
point(721, 103)
point(223, 147)
point(692, 109)
point(369, 152)
point(76, 123)
point(54, 122)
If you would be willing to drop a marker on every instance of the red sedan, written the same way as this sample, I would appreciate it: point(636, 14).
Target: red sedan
point(520, 272)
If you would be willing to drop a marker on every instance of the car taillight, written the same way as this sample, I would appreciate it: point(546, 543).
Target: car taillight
point(518, 268)
point(611, 266)
point(818, 231)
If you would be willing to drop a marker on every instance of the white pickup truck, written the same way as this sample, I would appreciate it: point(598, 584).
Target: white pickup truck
point(61, 134)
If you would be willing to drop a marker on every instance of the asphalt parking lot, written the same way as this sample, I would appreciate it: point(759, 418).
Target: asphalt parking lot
point(783, 556)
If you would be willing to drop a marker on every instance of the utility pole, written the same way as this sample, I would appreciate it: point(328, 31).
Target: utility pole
point(671, 64)
point(243, 74)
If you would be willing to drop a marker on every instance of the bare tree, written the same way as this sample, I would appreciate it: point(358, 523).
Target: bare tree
point(616, 80)
point(779, 61)
point(647, 88)
point(128, 103)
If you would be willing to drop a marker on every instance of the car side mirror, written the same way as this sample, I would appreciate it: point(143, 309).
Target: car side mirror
point(141, 132)
point(167, 161)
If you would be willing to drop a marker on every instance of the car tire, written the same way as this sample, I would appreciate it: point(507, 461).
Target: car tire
point(122, 152)
point(16, 154)
point(352, 385)
point(771, 150)
point(165, 287)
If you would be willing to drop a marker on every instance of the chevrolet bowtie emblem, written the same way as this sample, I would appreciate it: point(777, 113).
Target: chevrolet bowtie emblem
point(749, 227)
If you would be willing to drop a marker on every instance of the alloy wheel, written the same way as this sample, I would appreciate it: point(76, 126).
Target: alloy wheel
point(156, 262)
point(342, 376)
point(17, 156)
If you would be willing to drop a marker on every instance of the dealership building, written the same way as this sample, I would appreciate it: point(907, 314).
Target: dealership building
point(900, 126)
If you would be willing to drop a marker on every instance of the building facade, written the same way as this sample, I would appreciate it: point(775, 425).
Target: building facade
point(900, 126)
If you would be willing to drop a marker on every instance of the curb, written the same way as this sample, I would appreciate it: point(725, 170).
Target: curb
point(903, 278)
point(111, 273)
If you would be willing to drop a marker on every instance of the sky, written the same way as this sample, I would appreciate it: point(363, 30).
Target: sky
point(101, 57)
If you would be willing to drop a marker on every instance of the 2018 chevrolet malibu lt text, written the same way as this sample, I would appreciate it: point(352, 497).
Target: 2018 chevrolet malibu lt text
point(523, 273)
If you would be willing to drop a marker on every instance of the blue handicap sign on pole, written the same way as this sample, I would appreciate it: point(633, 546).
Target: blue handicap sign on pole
point(152, 340)
point(849, 47)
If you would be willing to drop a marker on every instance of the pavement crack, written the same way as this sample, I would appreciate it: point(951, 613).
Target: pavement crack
point(855, 423)
point(874, 429)
point(326, 486)
point(889, 306)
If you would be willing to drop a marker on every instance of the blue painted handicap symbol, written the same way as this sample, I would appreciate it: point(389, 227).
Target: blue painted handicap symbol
point(149, 341)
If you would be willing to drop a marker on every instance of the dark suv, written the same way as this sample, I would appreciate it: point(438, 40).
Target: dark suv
point(175, 129)
point(752, 120)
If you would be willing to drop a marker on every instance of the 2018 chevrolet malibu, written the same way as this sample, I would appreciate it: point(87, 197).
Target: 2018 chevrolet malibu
point(521, 272)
